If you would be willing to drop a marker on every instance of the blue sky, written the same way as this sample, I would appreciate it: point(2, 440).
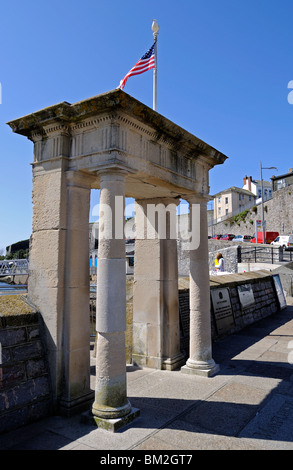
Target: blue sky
point(223, 73)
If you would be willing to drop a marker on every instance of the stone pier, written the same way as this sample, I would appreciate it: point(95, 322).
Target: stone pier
point(156, 338)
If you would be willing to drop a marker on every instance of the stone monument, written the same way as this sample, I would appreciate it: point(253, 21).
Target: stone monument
point(114, 143)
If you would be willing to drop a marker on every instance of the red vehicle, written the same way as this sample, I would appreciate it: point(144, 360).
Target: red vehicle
point(216, 237)
point(269, 237)
point(227, 236)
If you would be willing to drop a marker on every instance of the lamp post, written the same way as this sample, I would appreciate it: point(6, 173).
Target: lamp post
point(262, 200)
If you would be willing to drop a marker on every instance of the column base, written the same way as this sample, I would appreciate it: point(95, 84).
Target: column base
point(107, 412)
point(202, 368)
point(172, 363)
point(147, 361)
point(111, 425)
point(70, 408)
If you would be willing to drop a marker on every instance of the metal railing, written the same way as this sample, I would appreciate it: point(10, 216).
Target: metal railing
point(287, 255)
point(13, 267)
point(260, 254)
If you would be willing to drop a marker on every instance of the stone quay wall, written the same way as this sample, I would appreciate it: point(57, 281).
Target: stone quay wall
point(24, 381)
point(278, 213)
point(265, 297)
point(265, 304)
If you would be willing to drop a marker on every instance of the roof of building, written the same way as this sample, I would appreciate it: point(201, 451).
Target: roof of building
point(290, 173)
point(265, 183)
point(235, 190)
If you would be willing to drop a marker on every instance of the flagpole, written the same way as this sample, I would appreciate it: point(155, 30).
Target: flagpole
point(155, 29)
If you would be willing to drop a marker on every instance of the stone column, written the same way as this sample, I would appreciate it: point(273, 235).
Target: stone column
point(200, 360)
point(110, 396)
point(156, 333)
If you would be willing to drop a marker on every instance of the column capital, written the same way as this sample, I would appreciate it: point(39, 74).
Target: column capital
point(159, 200)
point(197, 198)
point(115, 168)
point(79, 179)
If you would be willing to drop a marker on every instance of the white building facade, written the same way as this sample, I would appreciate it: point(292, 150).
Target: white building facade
point(255, 187)
point(232, 200)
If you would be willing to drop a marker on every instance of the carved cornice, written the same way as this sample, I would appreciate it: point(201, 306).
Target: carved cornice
point(112, 119)
point(116, 106)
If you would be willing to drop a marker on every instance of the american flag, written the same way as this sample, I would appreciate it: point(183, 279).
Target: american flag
point(146, 62)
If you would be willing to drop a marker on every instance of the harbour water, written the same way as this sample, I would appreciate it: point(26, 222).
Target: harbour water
point(9, 289)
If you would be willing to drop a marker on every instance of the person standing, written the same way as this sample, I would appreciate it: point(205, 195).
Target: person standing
point(220, 263)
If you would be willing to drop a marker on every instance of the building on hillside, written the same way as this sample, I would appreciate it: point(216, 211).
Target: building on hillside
point(255, 187)
point(232, 201)
point(282, 181)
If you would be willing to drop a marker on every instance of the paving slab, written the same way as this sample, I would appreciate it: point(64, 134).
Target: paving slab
point(265, 383)
point(274, 423)
point(220, 418)
point(186, 436)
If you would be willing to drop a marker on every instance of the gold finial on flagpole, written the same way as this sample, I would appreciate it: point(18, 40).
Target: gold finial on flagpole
point(155, 29)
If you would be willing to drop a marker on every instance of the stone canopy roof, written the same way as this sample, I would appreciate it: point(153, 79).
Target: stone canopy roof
point(115, 101)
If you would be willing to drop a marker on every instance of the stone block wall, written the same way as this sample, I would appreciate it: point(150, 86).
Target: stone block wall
point(266, 304)
point(24, 382)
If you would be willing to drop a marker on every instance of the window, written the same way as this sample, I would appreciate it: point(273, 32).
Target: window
point(219, 199)
point(226, 211)
point(219, 211)
point(250, 198)
point(239, 197)
point(226, 200)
